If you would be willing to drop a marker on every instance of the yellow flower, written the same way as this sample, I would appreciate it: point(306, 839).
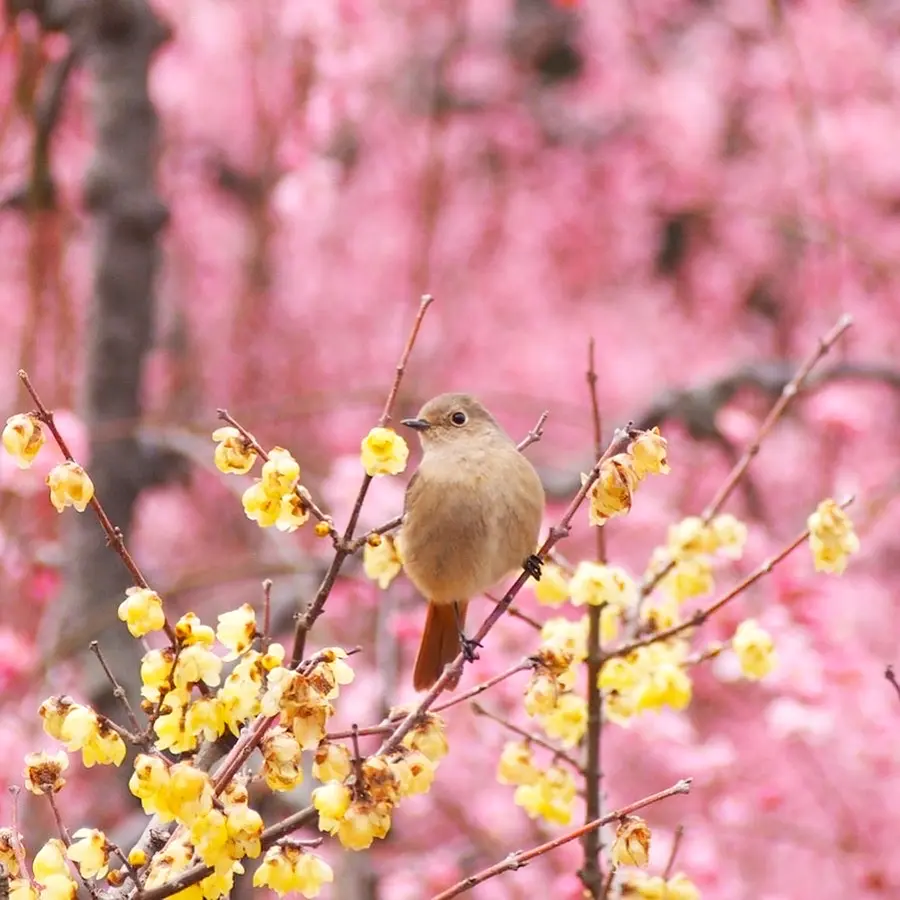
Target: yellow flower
point(137, 857)
point(171, 725)
point(83, 730)
point(331, 801)
point(209, 835)
point(282, 765)
point(384, 452)
point(190, 792)
point(679, 887)
point(142, 611)
point(332, 762)
point(730, 535)
point(691, 577)
point(43, 772)
point(611, 494)
point(567, 721)
point(632, 844)
point(428, 737)
point(150, 784)
point(553, 588)
point(363, 822)
point(413, 772)
point(205, 718)
point(9, 841)
point(53, 711)
point(236, 631)
point(259, 507)
point(381, 562)
point(156, 671)
point(90, 852)
point(755, 650)
point(596, 584)
point(567, 635)
point(690, 537)
point(22, 438)
point(516, 765)
point(197, 664)
point(648, 452)
point(288, 869)
point(280, 473)
point(292, 513)
point(52, 872)
point(20, 889)
point(331, 672)
point(245, 826)
point(70, 486)
point(541, 693)
point(831, 537)
point(233, 453)
point(550, 797)
point(190, 630)
point(666, 684)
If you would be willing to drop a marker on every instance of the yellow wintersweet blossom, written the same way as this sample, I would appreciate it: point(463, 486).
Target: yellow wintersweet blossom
point(567, 635)
point(22, 438)
point(831, 537)
point(142, 611)
point(331, 801)
point(567, 721)
point(648, 452)
point(190, 630)
point(549, 797)
point(259, 507)
point(83, 730)
point(236, 631)
point(205, 718)
point(553, 588)
point(51, 872)
point(280, 473)
point(427, 736)
point(70, 485)
point(10, 840)
point(730, 535)
point(665, 684)
point(43, 772)
point(234, 454)
point(516, 765)
point(596, 584)
point(90, 851)
point(282, 764)
point(384, 452)
point(156, 673)
point(332, 762)
point(413, 770)
point(646, 887)
point(381, 561)
point(611, 494)
point(292, 513)
point(690, 577)
point(170, 725)
point(690, 537)
point(631, 846)
point(195, 664)
point(288, 869)
point(755, 649)
point(150, 784)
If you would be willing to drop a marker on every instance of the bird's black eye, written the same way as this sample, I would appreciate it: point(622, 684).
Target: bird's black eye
point(458, 418)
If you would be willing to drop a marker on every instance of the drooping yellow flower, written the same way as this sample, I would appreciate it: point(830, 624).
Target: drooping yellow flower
point(549, 797)
point(331, 801)
point(427, 736)
point(51, 872)
point(280, 473)
point(292, 513)
point(142, 611)
point(567, 721)
point(384, 452)
point(70, 485)
point(150, 784)
point(553, 588)
point(236, 631)
point(190, 630)
point(648, 451)
point(755, 649)
point(282, 763)
point(289, 869)
point(596, 584)
point(654, 887)
point(567, 635)
point(83, 730)
point(631, 846)
point(611, 494)
point(831, 537)
point(9, 841)
point(381, 562)
point(516, 765)
point(90, 852)
point(22, 438)
point(413, 772)
point(730, 534)
point(156, 673)
point(332, 762)
point(234, 454)
point(43, 772)
point(259, 507)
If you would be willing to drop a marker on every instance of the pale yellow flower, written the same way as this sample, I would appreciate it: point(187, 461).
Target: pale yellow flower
point(22, 438)
point(70, 485)
point(384, 452)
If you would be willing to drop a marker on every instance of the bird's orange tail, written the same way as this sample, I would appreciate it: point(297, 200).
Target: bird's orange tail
point(440, 644)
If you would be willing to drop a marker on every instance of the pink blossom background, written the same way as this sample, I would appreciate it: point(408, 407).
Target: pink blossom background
point(717, 186)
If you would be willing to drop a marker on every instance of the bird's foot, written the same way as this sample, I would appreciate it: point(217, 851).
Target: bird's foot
point(532, 566)
point(469, 647)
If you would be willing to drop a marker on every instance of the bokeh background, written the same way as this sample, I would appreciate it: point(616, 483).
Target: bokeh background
point(233, 203)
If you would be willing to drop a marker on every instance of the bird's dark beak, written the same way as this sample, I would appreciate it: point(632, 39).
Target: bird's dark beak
point(416, 424)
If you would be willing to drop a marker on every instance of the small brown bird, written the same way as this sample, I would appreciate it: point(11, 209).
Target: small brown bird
point(472, 515)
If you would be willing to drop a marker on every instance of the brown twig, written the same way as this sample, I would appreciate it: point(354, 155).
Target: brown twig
point(673, 853)
point(67, 840)
point(620, 441)
point(517, 614)
point(521, 858)
point(132, 871)
point(538, 741)
point(314, 610)
point(788, 392)
point(113, 535)
point(15, 837)
point(535, 434)
point(701, 616)
point(891, 676)
point(523, 665)
point(119, 694)
point(591, 872)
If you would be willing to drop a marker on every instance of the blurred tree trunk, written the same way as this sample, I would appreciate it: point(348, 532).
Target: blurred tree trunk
point(115, 40)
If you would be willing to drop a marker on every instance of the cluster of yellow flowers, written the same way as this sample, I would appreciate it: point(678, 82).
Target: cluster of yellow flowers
point(545, 793)
point(831, 537)
point(611, 494)
point(655, 887)
point(356, 802)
